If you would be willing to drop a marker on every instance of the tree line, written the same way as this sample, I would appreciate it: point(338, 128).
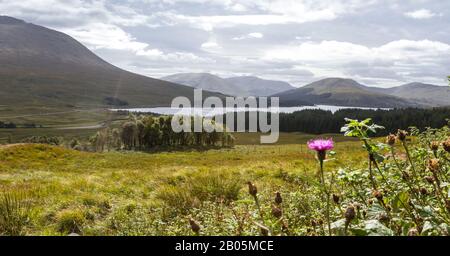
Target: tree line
point(321, 122)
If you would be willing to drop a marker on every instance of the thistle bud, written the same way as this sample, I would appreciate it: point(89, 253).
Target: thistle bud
point(424, 191)
point(413, 232)
point(320, 221)
point(388, 208)
point(278, 198)
point(350, 214)
point(429, 179)
point(384, 217)
point(313, 223)
point(378, 195)
point(369, 201)
point(390, 140)
point(434, 146)
point(433, 165)
point(401, 135)
point(277, 212)
point(405, 176)
point(194, 226)
point(336, 199)
point(446, 145)
point(252, 189)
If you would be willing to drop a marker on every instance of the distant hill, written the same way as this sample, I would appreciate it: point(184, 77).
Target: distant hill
point(205, 81)
point(235, 86)
point(40, 66)
point(341, 92)
point(255, 86)
point(426, 94)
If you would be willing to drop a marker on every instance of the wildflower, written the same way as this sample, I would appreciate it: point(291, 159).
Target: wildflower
point(433, 165)
point(194, 226)
point(390, 140)
point(278, 198)
point(336, 199)
point(350, 214)
point(252, 189)
point(446, 145)
point(401, 135)
point(321, 146)
point(277, 212)
point(413, 232)
point(434, 146)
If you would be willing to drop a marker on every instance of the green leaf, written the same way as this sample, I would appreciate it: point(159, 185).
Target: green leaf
point(375, 228)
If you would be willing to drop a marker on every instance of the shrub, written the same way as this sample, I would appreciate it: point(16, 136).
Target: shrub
point(201, 186)
point(70, 221)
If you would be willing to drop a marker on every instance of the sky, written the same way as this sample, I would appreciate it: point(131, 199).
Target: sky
point(376, 42)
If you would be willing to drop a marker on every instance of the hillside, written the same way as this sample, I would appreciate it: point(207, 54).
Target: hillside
point(43, 67)
point(426, 94)
point(341, 92)
point(256, 86)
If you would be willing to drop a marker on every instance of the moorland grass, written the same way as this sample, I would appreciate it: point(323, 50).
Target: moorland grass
point(133, 193)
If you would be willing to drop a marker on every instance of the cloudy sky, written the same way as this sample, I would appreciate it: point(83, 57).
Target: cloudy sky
point(377, 42)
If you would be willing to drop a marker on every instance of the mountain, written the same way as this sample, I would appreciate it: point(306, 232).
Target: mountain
point(341, 92)
point(235, 86)
point(255, 86)
point(426, 94)
point(205, 81)
point(40, 66)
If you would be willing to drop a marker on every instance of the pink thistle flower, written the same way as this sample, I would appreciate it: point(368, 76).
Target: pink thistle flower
point(321, 145)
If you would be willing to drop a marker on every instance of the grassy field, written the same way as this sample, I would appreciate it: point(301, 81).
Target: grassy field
point(122, 193)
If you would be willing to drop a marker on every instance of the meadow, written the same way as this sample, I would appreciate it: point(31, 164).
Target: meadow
point(367, 187)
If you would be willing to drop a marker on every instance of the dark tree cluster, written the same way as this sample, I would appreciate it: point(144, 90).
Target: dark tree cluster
point(321, 122)
point(49, 140)
point(6, 125)
point(148, 132)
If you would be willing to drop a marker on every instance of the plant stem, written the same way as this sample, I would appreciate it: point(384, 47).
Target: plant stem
point(408, 155)
point(327, 194)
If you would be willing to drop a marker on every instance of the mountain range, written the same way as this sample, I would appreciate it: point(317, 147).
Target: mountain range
point(41, 67)
point(44, 67)
point(243, 86)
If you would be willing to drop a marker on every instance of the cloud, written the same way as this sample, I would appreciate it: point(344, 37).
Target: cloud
point(253, 35)
point(293, 40)
point(397, 60)
point(421, 14)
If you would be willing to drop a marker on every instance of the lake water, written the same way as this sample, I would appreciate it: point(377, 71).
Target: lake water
point(221, 111)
